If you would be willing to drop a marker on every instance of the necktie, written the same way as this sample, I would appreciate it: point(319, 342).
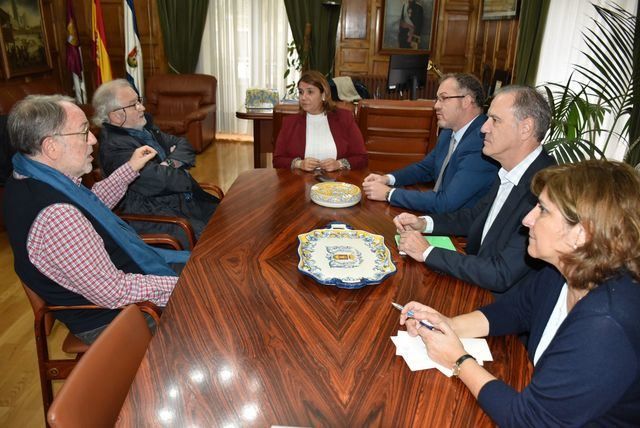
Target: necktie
point(452, 147)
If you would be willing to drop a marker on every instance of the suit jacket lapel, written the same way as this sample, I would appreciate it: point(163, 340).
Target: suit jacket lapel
point(513, 200)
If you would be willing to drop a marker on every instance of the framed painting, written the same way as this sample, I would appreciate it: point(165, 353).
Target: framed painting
point(23, 40)
point(408, 26)
point(499, 9)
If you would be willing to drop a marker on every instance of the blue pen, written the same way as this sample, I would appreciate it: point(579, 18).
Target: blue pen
point(410, 315)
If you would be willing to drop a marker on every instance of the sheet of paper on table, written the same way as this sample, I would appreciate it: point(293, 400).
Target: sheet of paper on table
point(414, 352)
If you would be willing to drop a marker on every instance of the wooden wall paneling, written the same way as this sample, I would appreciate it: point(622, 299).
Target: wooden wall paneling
point(355, 21)
point(353, 39)
point(463, 41)
point(455, 39)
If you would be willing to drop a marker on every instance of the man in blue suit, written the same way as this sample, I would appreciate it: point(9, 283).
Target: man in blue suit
point(496, 254)
point(462, 175)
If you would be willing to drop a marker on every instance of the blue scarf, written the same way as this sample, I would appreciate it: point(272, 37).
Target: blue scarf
point(152, 261)
point(148, 139)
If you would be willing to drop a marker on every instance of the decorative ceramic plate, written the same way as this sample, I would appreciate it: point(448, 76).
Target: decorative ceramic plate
point(343, 257)
point(335, 194)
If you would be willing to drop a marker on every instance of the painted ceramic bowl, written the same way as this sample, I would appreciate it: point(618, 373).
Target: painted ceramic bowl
point(335, 194)
point(343, 257)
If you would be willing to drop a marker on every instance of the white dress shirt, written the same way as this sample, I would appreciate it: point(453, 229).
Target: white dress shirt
point(556, 318)
point(508, 180)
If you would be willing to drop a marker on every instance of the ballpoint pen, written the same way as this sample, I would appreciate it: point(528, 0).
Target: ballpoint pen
point(410, 315)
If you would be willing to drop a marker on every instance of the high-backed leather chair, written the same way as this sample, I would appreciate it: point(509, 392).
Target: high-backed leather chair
point(397, 132)
point(58, 369)
point(94, 393)
point(184, 105)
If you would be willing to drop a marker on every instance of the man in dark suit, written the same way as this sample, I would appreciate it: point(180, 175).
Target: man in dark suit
point(496, 256)
point(461, 173)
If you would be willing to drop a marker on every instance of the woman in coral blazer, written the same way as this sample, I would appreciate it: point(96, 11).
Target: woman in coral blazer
point(322, 136)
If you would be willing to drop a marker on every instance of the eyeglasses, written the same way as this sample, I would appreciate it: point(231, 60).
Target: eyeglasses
point(85, 133)
point(139, 101)
point(443, 98)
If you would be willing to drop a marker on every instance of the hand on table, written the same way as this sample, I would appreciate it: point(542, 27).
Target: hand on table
point(375, 187)
point(330, 165)
point(443, 345)
point(309, 164)
point(413, 244)
point(405, 222)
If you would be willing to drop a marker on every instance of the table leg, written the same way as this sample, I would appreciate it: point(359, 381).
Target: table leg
point(262, 135)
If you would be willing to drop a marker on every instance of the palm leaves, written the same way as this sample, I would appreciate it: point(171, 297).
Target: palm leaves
point(605, 86)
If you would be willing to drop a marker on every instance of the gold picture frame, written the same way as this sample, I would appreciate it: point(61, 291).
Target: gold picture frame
point(499, 9)
point(23, 38)
point(399, 30)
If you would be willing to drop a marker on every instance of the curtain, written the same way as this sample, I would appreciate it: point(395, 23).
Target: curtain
point(244, 46)
point(323, 16)
point(634, 129)
point(563, 43)
point(182, 24)
point(533, 16)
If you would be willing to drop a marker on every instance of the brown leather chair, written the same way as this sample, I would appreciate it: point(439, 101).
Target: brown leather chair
point(54, 369)
point(397, 132)
point(93, 394)
point(184, 105)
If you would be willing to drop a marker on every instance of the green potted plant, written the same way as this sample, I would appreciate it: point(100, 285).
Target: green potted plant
point(604, 86)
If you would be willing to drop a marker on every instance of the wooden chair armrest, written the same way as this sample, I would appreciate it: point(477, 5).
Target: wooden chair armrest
point(212, 189)
point(162, 239)
point(178, 221)
point(152, 309)
point(200, 113)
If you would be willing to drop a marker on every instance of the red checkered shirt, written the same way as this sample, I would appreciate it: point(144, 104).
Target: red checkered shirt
point(64, 246)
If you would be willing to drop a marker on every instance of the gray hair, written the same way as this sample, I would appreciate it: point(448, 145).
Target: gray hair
point(528, 102)
point(34, 118)
point(104, 100)
point(470, 83)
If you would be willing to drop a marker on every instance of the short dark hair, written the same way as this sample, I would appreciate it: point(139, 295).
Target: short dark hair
point(470, 83)
point(34, 118)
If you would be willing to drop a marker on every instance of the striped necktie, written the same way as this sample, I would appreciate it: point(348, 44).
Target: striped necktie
point(452, 147)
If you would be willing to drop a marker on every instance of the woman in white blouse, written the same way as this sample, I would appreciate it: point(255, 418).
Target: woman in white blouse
point(582, 313)
point(322, 136)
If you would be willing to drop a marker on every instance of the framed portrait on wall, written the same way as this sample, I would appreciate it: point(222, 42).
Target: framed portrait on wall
point(23, 40)
point(499, 9)
point(408, 26)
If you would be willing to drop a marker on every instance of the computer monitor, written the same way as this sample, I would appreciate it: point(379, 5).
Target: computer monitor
point(407, 72)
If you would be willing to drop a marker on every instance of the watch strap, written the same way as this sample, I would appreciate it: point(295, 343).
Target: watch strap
point(459, 361)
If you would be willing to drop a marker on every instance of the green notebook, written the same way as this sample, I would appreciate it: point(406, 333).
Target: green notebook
point(436, 241)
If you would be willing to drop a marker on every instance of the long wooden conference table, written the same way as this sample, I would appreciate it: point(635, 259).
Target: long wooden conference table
point(248, 340)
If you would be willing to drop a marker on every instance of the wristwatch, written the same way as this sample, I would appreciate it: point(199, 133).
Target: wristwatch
point(459, 361)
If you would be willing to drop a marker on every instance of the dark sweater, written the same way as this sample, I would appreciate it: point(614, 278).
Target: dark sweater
point(589, 374)
point(24, 200)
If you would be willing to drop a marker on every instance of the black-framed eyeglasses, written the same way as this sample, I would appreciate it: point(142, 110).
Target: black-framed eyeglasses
point(139, 101)
point(85, 133)
point(443, 98)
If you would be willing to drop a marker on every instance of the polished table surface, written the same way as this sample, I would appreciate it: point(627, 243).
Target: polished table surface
point(247, 340)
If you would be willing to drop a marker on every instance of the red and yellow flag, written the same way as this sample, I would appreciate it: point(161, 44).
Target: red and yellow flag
point(103, 65)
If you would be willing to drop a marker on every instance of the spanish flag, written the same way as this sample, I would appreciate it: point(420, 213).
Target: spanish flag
point(103, 65)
